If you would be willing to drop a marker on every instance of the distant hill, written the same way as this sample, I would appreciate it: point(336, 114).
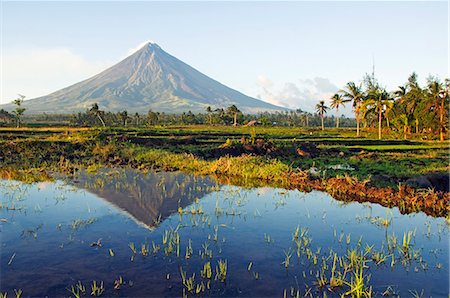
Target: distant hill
point(148, 79)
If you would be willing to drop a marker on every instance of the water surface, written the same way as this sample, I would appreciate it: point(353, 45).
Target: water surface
point(50, 231)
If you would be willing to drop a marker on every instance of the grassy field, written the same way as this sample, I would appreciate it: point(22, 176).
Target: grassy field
point(279, 156)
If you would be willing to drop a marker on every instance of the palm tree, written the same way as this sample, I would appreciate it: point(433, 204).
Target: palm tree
point(95, 110)
point(438, 97)
point(233, 110)
point(137, 118)
point(321, 109)
point(354, 93)
point(124, 117)
point(414, 97)
point(209, 111)
point(377, 100)
point(338, 100)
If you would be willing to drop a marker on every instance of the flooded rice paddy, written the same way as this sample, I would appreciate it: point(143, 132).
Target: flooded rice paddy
point(126, 233)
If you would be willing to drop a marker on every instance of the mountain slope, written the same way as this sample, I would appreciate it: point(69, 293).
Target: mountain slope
point(148, 79)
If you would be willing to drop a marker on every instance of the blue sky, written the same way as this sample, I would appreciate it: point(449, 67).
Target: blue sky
point(288, 53)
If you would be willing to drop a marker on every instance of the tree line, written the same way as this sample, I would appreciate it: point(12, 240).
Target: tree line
point(409, 106)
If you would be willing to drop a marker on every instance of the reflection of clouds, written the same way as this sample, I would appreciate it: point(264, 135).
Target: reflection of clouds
point(43, 185)
point(263, 190)
point(303, 93)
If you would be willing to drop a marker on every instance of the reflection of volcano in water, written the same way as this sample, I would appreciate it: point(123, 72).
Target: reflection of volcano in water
point(145, 197)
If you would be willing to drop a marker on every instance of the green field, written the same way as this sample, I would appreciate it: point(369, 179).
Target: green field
point(247, 156)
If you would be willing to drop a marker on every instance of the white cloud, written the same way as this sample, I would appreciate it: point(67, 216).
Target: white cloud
point(301, 94)
point(38, 72)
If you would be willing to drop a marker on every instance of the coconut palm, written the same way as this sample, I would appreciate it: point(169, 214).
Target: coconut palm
point(209, 111)
point(124, 117)
point(338, 100)
point(354, 93)
point(438, 97)
point(321, 109)
point(95, 110)
point(233, 110)
point(376, 101)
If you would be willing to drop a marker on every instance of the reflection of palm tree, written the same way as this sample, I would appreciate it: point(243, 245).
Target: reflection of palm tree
point(336, 101)
point(321, 109)
point(96, 111)
point(376, 101)
point(354, 93)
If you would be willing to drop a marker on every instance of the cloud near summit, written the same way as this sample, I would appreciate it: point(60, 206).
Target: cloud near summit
point(302, 93)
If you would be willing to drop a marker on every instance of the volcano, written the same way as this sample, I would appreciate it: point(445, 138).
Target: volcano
point(148, 79)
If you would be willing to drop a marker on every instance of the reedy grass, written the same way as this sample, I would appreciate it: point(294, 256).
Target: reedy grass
point(221, 270)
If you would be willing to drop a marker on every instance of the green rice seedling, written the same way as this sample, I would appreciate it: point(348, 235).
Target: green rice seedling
point(287, 258)
point(177, 243)
point(206, 272)
point(144, 249)
point(200, 288)
point(314, 258)
point(389, 292)
point(189, 283)
point(157, 220)
point(368, 249)
point(75, 292)
point(379, 258)
point(391, 243)
point(216, 230)
point(132, 247)
point(221, 270)
point(249, 267)
point(354, 258)
point(406, 247)
point(336, 280)
point(348, 239)
point(206, 251)
point(78, 290)
point(299, 247)
point(358, 287)
point(3, 295)
point(97, 290)
point(155, 248)
point(294, 293)
point(189, 250)
point(118, 283)
point(11, 259)
point(296, 233)
point(111, 252)
point(416, 294)
point(165, 237)
point(267, 238)
point(18, 293)
point(321, 279)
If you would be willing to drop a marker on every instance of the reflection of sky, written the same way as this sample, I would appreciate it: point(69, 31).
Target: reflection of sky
point(262, 211)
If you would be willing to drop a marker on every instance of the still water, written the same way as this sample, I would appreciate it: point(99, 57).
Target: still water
point(150, 229)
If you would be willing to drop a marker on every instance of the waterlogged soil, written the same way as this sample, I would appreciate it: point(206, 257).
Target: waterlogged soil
point(55, 234)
